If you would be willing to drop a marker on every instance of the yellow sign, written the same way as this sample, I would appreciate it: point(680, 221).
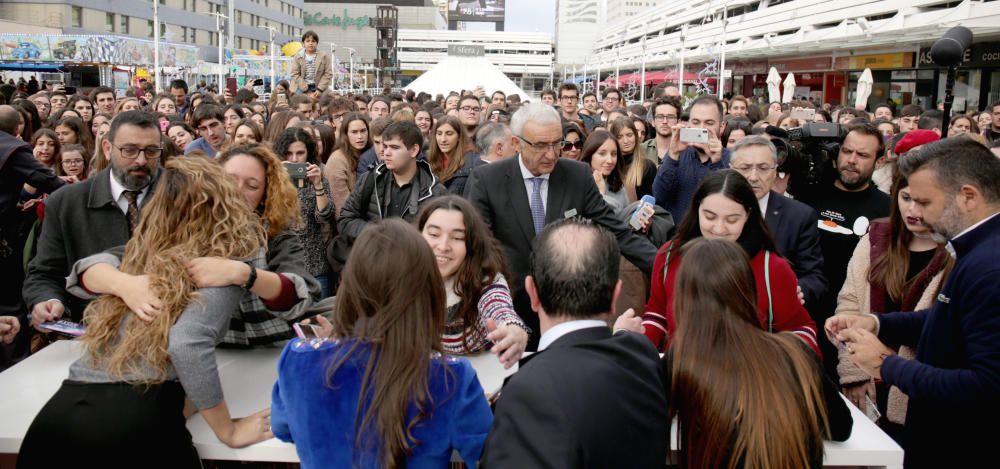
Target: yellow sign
point(142, 73)
point(876, 61)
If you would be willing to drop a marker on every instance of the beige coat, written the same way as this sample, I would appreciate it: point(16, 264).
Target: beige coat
point(341, 178)
point(323, 72)
point(855, 298)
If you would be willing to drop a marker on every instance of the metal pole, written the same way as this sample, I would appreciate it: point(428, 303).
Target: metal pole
point(722, 61)
point(680, 67)
point(270, 39)
point(583, 86)
point(642, 74)
point(597, 82)
point(618, 56)
point(333, 63)
point(156, 46)
point(231, 30)
point(222, 58)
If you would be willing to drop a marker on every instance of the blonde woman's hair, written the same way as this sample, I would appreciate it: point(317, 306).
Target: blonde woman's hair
point(215, 221)
point(280, 207)
point(634, 173)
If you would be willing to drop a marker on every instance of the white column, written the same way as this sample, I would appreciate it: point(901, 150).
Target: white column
point(722, 61)
point(156, 46)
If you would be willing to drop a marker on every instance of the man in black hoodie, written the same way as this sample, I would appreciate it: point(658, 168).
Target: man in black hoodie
point(17, 167)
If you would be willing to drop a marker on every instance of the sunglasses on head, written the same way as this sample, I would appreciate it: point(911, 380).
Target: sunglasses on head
point(567, 146)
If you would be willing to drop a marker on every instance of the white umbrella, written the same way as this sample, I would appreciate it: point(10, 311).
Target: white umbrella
point(789, 88)
point(773, 86)
point(865, 83)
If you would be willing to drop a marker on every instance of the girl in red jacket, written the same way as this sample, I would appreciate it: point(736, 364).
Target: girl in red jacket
point(724, 207)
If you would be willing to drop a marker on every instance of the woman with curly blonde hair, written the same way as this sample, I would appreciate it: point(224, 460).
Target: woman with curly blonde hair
point(134, 375)
point(277, 285)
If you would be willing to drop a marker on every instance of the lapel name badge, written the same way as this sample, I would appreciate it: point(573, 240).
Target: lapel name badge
point(570, 213)
point(943, 299)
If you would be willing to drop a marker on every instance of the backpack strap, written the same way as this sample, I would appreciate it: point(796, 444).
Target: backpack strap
point(767, 283)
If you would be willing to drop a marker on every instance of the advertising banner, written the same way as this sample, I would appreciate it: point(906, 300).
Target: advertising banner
point(476, 10)
point(117, 50)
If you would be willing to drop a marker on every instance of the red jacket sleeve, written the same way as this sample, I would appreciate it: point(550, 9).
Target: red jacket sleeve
point(654, 319)
point(789, 314)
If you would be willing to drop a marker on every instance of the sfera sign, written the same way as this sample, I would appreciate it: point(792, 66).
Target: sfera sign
point(466, 50)
point(310, 19)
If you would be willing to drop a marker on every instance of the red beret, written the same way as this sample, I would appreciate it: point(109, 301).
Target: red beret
point(915, 138)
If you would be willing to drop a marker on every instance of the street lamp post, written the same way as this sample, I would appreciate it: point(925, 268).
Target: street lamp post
point(219, 18)
point(350, 69)
point(642, 74)
point(156, 46)
point(722, 64)
point(680, 54)
point(618, 56)
point(270, 48)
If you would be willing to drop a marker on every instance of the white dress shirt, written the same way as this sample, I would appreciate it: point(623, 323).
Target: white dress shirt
point(763, 203)
point(118, 194)
point(529, 186)
point(564, 328)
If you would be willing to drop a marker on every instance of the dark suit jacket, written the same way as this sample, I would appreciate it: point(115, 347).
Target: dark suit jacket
point(80, 220)
point(793, 225)
point(498, 191)
point(590, 400)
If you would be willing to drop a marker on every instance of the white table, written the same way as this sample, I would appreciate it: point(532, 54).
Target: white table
point(247, 379)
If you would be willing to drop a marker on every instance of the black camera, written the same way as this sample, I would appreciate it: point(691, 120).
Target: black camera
point(808, 153)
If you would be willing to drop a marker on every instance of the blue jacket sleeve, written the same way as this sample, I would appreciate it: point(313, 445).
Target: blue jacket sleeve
point(975, 382)
point(279, 415)
point(471, 417)
point(665, 184)
point(902, 328)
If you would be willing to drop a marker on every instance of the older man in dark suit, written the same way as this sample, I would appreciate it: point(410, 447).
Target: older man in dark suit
point(792, 223)
point(519, 196)
point(588, 398)
point(92, 216)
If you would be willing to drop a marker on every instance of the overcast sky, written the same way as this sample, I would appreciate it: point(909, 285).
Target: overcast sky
point(530, 16)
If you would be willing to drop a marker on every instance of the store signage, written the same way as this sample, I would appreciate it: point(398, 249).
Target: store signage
point(808, 64)
point(463, 50)
point(876, 61)
point(318, 19)
point(986, 54)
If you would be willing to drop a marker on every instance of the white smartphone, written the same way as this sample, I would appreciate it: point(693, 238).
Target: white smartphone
point(694, 135)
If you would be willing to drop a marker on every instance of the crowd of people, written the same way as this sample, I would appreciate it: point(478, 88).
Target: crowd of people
point(772, 271)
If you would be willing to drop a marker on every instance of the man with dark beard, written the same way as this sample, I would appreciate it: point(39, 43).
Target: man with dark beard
point(846, 208)
point(93, 216)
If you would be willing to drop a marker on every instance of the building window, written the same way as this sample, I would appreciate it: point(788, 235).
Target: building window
point(77, 17)
point(124, 24)
point(109, 22)
point(149, 24)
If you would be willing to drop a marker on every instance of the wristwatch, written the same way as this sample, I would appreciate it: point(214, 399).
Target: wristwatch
point(252, 278)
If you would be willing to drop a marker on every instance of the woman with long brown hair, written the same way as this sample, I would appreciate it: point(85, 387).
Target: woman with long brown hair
point(897, 266)
point(380, 392)
point(742, 397)
point(134, 375)
point(341, 171)
point(602, 152)
point(480, 308)
point(447, 156)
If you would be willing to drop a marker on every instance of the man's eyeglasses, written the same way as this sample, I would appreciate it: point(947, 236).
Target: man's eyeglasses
point(570, 98)
point(762, 168)
point(665, 117)
point(543, 147)
point(470, 108)
point(569, 146)
point(131, 152)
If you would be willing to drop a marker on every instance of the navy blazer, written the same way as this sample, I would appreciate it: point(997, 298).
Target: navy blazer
point(590, 400)
point(954, 381)
point(497, 190)
point(793, 225)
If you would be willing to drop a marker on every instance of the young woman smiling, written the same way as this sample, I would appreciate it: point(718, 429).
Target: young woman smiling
point(341, 170)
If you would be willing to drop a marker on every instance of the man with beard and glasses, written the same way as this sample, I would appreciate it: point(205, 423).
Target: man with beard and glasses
point(846, 208)
point(94, 215)
point(953, 381)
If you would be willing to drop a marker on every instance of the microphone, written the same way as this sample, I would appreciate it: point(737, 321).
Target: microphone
point(949, 50)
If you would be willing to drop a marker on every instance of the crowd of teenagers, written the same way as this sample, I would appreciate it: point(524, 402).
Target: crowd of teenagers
point(701, 261)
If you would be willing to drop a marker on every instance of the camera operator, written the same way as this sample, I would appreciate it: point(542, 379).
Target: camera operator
point(845, 207)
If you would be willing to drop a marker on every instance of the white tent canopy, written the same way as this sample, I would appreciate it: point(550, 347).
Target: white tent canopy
point(464, 73)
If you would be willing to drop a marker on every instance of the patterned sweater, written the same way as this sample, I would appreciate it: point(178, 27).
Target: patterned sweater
point(494, 303)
